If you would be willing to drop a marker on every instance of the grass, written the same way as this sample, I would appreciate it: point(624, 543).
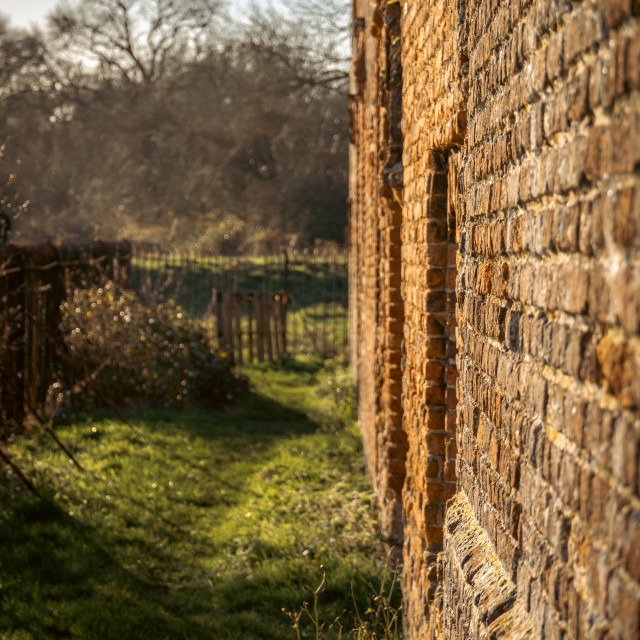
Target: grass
point(192, 524)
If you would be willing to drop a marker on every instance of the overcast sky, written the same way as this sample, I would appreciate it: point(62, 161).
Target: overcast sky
point(24, 13)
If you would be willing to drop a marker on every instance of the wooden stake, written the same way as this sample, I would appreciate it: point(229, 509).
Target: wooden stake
point(259, 325)
point(250, 330)
point(268, 306)
point(237, 317)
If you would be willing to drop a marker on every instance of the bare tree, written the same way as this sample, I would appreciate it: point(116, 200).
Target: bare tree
point(308, 39)
point(134, 40)
point(146, 122)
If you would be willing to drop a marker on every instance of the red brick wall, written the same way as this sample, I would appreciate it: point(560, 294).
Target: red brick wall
point(549, 286)
point(377, 308)
point(434, 125)
point(520, 286)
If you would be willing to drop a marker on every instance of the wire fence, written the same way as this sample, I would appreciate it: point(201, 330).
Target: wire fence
point(34, 281)
point(290, 303)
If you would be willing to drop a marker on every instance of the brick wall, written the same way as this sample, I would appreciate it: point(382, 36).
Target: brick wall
point(434, 124)
point(520, 286)
point(377, 310)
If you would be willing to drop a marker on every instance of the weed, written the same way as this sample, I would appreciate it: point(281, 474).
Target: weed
point(380, 619)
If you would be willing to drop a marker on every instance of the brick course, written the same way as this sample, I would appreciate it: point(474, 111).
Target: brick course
point(496, 309)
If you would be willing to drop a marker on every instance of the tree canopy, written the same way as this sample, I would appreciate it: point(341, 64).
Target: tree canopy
point(171, 121)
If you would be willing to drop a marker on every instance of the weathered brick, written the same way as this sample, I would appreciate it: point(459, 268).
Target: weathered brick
point(516, 256)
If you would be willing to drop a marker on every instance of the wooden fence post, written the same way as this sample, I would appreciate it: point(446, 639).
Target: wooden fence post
point(266, 309)
point(283, 321)
point(13, 278)
point(259, 324)
point(227, 331)
point(250, 325)
point(237, 298)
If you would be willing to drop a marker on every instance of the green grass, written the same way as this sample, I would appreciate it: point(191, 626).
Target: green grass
point(193, 525)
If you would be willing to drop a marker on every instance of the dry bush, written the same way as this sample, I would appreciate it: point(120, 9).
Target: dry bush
point(129, 354)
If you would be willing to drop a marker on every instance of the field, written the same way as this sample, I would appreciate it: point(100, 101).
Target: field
point(196, 524)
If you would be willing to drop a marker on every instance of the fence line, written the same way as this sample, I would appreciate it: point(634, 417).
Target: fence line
point(260, 309)
point(313, 286)
point(34, 281)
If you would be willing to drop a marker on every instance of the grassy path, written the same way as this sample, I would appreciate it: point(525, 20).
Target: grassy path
point(192, 525)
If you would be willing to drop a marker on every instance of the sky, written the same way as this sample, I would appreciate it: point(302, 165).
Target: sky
point(24, 13)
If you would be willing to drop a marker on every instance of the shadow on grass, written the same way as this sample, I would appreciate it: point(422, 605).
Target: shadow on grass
point(251, 413)
point(59, 580)
point(254, 415)
point(166, 547)
point(63, 579)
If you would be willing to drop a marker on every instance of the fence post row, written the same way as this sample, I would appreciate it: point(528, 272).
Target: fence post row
point(256, 308)
point(309, 315)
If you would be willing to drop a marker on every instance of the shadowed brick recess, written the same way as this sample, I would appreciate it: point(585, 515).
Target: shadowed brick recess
point(495, 309)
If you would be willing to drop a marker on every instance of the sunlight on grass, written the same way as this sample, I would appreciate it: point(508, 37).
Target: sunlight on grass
point(192, 524)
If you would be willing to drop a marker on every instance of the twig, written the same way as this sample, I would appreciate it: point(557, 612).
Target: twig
point(19, 473)
point(43, 424)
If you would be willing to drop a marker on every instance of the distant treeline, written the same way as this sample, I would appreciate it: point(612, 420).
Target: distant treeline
point(170, 121)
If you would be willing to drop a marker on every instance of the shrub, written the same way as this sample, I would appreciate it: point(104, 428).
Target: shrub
point(123, 352)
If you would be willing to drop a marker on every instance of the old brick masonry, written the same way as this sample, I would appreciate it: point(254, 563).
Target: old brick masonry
point(495, 311)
